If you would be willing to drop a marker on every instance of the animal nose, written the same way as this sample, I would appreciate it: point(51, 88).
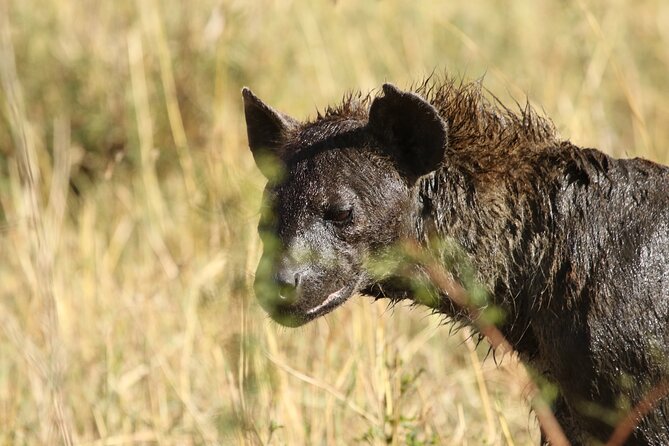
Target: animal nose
point(288, 280)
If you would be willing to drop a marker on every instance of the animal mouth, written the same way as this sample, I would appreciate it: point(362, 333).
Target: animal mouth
point(294, 315)
point(334, 300)
point(331, 302)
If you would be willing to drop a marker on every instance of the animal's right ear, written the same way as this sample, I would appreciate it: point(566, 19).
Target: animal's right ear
point(267, 131)
point(410, 129)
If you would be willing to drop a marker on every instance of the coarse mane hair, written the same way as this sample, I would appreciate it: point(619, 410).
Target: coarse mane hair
point(476, 118)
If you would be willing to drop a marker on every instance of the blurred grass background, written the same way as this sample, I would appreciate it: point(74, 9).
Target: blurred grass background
point(129, 199)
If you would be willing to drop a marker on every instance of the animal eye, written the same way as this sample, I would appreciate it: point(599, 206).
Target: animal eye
point(339, 215)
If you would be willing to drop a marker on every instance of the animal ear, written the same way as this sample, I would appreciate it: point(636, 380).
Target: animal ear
point(267, 131)
point(410, 129)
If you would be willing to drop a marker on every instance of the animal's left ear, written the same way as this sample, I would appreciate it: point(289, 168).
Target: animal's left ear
point(410, 129)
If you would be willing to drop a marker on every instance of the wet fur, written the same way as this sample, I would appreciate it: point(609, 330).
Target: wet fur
point(572, 245)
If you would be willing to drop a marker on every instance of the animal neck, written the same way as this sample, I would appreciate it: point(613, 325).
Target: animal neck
point(492, 225)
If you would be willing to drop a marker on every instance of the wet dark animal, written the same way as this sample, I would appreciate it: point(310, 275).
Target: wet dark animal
point(570, 244)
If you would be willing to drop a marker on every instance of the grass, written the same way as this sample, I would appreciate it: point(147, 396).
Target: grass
point(128, 204)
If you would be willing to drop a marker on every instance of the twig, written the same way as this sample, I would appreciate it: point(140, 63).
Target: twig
point(460, 297)
point(643, 407)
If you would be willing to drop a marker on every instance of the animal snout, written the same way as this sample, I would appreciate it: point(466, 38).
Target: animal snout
point(288, 281)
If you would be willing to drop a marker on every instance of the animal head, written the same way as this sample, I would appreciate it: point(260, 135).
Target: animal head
point(340, 191)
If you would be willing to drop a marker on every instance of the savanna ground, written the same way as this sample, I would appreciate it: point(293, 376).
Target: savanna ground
point(129, 199)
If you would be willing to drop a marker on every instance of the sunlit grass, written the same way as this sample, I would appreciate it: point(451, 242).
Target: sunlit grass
point(128, 205)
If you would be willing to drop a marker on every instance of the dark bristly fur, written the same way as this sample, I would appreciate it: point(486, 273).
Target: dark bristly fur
point(570, 244)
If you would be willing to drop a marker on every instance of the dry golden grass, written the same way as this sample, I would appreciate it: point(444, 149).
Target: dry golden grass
point(128, 204)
